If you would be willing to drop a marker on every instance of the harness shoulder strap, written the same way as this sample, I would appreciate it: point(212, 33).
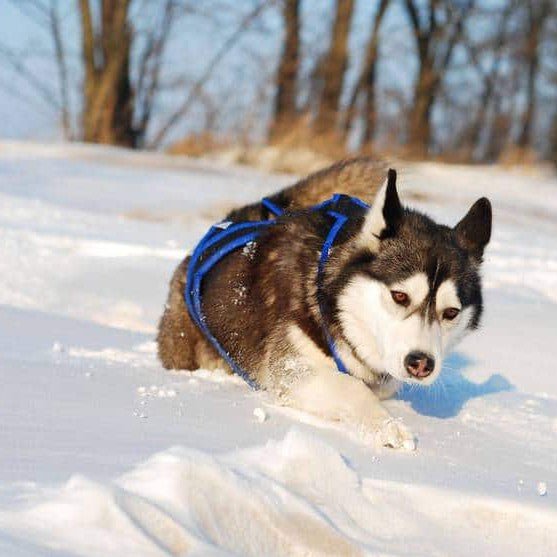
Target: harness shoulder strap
point(335, 207)
point(340, 221)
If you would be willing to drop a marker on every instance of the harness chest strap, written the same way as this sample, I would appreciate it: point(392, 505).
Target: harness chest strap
point(233, 236)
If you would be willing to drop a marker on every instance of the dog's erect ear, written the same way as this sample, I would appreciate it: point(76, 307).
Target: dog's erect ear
point(474, 230)
point(385, 214)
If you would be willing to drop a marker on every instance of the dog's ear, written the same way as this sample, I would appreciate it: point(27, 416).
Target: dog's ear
point(385, 215)
point(474, 230)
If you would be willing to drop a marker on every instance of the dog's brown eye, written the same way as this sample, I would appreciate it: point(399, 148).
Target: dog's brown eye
point(400, 298)
point(450, 313)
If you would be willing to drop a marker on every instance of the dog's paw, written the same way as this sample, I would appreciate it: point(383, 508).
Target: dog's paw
point(393, 433)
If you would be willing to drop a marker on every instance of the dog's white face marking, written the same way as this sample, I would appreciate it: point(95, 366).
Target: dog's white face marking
point(383, 332)
point(416, 288)
point(453, 330)
point(447, 297)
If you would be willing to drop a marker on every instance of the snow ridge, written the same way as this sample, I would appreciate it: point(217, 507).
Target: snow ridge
point(297, 496)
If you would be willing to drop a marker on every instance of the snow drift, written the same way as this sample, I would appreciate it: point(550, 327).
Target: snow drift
point(297, 496)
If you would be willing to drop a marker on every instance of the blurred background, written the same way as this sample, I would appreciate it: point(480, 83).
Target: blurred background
point(285, 83)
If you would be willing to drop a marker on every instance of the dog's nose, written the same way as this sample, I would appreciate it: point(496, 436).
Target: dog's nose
point(419, 364)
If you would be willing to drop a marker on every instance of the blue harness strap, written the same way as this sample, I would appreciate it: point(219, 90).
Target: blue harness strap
point(340, 221)
point(241, 234)
point(275, 209)
point(226, 237)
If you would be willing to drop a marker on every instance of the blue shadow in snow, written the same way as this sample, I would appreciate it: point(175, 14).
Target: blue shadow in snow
point(446, 397)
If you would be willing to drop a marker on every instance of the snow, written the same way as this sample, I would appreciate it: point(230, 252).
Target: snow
point(105, 453)
point(260, 415)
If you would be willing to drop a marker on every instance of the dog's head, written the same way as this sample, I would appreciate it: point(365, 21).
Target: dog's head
point(414, 289)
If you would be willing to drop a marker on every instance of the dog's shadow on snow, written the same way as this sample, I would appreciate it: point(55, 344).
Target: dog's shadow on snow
point(446, 397)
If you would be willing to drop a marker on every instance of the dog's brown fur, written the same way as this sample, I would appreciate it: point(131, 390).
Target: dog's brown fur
point(355, 177)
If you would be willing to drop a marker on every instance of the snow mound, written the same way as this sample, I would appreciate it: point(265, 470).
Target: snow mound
point(297, 496)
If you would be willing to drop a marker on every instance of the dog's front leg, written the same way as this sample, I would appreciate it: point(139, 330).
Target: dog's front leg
point(337, 396)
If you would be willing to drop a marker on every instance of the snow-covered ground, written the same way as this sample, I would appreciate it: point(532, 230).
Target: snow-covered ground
point(104, 453)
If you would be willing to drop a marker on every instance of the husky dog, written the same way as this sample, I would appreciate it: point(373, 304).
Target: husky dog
point(397, 293)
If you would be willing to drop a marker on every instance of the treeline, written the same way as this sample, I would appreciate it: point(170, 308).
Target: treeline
point(485, 84)
point(467, 80)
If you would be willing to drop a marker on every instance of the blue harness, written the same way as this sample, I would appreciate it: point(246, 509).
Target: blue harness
point(226, 237)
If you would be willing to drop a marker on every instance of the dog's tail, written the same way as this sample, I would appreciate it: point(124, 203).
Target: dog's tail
point(359, 177)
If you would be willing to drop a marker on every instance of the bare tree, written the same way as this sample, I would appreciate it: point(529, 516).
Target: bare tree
point(552, 147)
point(365, 85)
point(486, 56)
point(120, 90)
point(550, 72)
point(332, 69)
point(287, 74)
point(435, 43)
point(536, 14)
point(196, 89)
point(108, 96)
point(47, 16)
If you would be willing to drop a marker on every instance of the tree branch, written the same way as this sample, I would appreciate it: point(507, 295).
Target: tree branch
point(414, 16)
point(184, 107)
point(60, 57)
point(44, 91)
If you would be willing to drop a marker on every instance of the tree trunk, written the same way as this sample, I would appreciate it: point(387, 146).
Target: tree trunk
point(370, 109)
point(90, 77)
point(334, 67)
point(365, 85)
point(553, 140)
point(287, 75)
point(435, 46)
point(419, 133)
point(108, 97)
point(60, 56)
point(419, 129)
point(537, 12)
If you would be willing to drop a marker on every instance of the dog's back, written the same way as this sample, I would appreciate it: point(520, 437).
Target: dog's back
point(358, 177)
